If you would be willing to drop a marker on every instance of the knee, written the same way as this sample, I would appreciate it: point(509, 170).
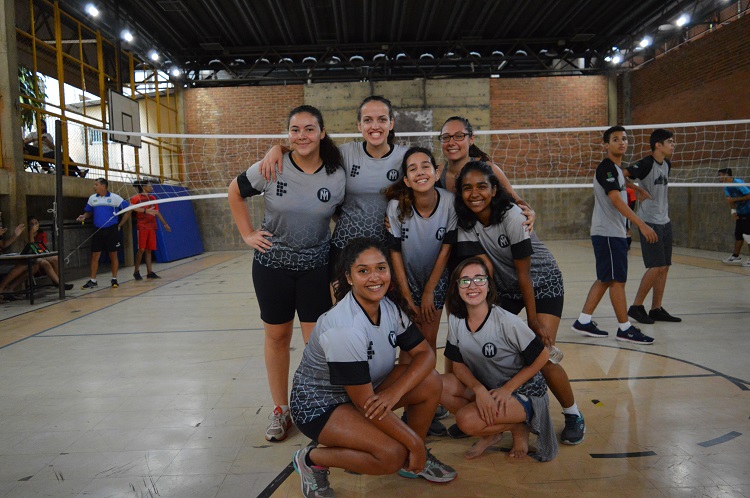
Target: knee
point(466, 420)
point(432, 385)
point(392, 458)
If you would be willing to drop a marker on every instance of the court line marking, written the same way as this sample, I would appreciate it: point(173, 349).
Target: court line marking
point(721, 439)
point(630, 454)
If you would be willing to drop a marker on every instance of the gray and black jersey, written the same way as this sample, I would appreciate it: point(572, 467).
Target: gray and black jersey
point(497, 351)
point(419, 240)
point(505, 242)
point(606, 220)
point(654, 180)
point(298, 211)
point(363, 211)
point(347, 349)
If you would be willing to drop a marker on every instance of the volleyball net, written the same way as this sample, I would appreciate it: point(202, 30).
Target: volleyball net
point(560, 158)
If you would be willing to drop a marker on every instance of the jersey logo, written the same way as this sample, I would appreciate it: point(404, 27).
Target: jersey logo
point(355, 170)
point(109, 201)
point(280, 188)
point(489, 350)
point(392, 175)
point(370, 351)
point(503, 241)
point(404, 233)
point(392, 338)
point(661, 180)
point(324, 195)
point(440, 233)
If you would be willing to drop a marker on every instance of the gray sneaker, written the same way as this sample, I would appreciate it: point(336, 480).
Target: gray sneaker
point(434, 471)
point(574, 430)
point(314, 479)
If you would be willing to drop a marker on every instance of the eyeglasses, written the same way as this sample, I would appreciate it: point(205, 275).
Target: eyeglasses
point(479, 280)
point(457, 137)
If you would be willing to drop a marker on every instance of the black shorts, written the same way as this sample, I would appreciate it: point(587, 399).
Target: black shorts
point(313, 428)
point(659, 253)
point(546, 305)
point(106, 239)
point(742, 225)
point(281, 292)
point(611, 254)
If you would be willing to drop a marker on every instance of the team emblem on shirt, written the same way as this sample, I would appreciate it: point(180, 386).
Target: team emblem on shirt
point(355, 170)
point(392, 175)
point(661, 180)
point(324, 195)
point(489, 350)
point(503, 241)
point(440, 233)
point(280, 188)
point(392, 338)
point(370, 351)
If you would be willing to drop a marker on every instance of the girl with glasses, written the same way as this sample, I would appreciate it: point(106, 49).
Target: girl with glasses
point(457, 141)
point(524, 272)
point(496, 384)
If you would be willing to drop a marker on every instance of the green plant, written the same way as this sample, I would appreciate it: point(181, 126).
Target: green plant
point(33, 95)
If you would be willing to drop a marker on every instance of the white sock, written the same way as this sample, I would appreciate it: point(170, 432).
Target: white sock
point(93, 280)
point(583, 318)
point(284, 408)
point(572, 410)
point(625, 326)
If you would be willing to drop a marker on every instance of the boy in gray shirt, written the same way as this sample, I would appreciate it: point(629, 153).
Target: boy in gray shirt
point(609, 238)
point(653, 173)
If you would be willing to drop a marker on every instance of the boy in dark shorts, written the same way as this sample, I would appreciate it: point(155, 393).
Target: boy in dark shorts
point(653, 173)
point(609, 238)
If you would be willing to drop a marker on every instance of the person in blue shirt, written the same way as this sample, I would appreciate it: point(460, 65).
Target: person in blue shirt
point(103, 206)
point(739, 200)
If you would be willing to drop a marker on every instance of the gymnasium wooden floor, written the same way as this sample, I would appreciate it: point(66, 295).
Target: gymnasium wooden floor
point(158, 389)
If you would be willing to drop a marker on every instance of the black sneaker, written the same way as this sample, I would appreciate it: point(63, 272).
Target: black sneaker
point(638, 313)
point(114, 283)
point(437, 428)
point(89, 285)
point(590, 329)
point(137, 276)
point(68, 286)
point(441, 413)
point(575, 428)
point(661, 315)
point(152, 275)
point(456, 433)
point(633, 334)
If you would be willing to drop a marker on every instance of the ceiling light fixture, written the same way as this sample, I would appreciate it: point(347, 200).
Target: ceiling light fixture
point(91, 10)
point(153, 55)
point(682, 20)
point(127, 36)
point(645, 42)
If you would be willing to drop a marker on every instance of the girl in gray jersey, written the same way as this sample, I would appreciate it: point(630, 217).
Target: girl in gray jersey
point(347, 384)
point(371, 167)
point(525, 273)
point(495, 385)
point(422, 222)
point(290, 264)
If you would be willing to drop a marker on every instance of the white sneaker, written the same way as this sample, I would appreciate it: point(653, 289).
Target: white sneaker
point(746, 264)
point(733, 260)
point(280, 424)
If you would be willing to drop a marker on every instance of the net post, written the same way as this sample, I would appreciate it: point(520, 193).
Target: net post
point(58, 211)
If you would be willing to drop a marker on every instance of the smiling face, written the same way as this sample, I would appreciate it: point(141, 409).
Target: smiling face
point(370, 277)
point(477, 193)
point(420, 172)
point(375, 123)
point(456, 150)
point(305, 134)
point(474, 294)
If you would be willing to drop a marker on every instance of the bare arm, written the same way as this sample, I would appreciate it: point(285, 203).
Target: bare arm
point(273, 162)
point(399, 271)
point(84, 217)
point(254, 238)
point(124, 220)
point(486, 404)
point(163, 222)
point(527, 211)
point(628, 213)
point(429, 312)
